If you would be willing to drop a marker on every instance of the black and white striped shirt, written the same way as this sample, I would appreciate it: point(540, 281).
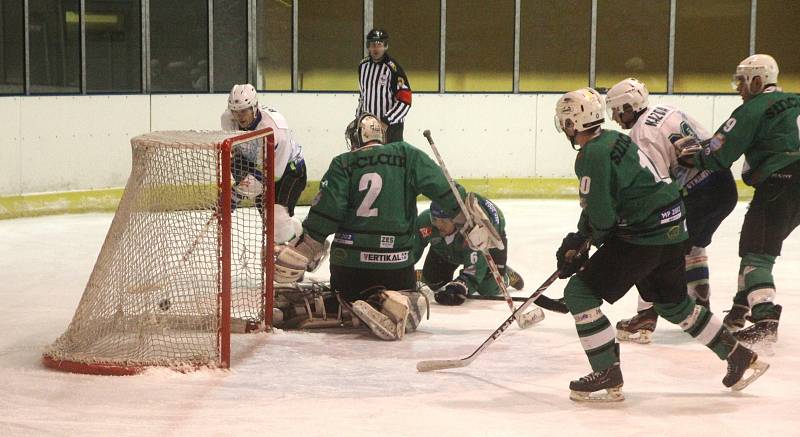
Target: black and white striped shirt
point(385, 91)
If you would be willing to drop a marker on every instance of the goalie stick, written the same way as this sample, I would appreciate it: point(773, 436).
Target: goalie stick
point(429, 365)
point(523, 320)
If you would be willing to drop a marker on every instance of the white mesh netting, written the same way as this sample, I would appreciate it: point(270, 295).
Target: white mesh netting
point(153, 298)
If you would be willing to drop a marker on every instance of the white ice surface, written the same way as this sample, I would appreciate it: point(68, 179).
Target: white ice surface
point(309, 384)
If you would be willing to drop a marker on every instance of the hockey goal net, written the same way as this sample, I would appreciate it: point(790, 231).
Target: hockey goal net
point(185, 261)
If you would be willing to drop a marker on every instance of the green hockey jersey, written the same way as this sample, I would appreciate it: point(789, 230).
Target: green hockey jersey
point(764, 129)
point(368, 199)
point(475, 271)
point(622, 194)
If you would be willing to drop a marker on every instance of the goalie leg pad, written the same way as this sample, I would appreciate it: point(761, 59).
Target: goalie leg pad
point(388, 321)
point(313, 266)
point(293, 261)
point(418, 307)
point(379, 323)
point(396, 305)
point(290, 265)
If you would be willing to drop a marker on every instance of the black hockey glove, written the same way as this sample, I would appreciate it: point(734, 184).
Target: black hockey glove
point(568, 260)
point(454, 293)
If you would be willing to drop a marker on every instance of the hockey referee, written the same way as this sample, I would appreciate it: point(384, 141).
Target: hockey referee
point(385, 91)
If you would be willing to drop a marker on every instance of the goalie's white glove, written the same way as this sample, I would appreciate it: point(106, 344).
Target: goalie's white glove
point(250, 187)
point(292, 262)
point(481, 235)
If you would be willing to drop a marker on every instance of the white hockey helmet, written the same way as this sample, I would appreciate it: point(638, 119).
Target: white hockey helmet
point(242, 97)
point(758, 65)
point(364, 129)
point(579, 111)
point(631, 92)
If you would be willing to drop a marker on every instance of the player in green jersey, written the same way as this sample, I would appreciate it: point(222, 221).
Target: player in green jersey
point(637, 221)
point(448, 250)
point(368, 199)
point(765, 130)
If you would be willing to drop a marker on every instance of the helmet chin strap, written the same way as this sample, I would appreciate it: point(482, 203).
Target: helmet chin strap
point(572, 141)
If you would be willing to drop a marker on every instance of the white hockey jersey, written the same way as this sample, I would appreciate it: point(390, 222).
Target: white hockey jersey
point(287, 149)
point(655, 132)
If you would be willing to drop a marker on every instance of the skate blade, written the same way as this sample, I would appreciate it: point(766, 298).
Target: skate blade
point(613, 394)
point(530, 318)
point(641, 336)
point(758, 367)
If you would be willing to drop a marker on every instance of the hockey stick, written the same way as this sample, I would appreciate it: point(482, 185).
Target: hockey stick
point(429, 365)
point(554, 305)
point(524, 320)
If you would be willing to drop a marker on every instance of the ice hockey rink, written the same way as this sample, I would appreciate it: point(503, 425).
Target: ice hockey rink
point(347, 384)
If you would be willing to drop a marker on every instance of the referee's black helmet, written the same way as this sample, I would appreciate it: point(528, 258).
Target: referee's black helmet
point(377, 35)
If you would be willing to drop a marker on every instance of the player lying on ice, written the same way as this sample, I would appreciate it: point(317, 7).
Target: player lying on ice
point(368, 200)
point(448, 251)
point(637, 221)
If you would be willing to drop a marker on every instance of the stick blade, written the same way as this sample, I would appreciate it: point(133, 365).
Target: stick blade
point(430, 365)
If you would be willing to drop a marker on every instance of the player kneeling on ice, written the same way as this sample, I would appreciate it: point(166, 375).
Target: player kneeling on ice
point(708, 196)
point(247, 165)
point(637, 221)
point(368, 200)
point(448, 250)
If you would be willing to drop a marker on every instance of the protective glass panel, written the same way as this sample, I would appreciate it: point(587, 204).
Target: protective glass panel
point(709, 43)
point(179, 46)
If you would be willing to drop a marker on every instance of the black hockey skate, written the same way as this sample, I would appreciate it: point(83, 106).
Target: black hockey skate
point(735, 319)
point(610, 380)
point(515, 281)
point(639, 328)
point(740, 360)
point(761, 331)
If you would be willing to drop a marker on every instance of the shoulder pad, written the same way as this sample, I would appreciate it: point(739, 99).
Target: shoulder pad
point(276, 117)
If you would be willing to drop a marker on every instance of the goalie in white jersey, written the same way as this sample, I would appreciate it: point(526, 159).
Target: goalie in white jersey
point(245, 114)
point(708, 196)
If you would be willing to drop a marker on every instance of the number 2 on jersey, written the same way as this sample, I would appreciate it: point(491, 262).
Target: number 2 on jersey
point(373, 183)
